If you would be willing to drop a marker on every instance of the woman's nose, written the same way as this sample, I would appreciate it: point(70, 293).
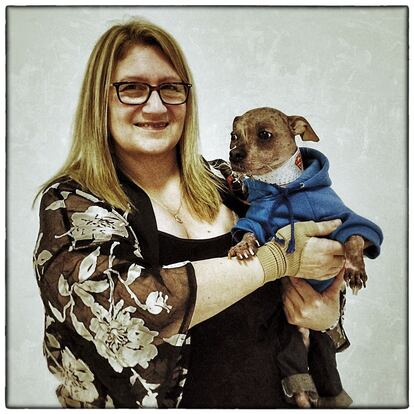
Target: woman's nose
point(154, 104)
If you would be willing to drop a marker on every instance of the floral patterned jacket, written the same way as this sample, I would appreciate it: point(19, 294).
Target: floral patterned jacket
point(115, 323)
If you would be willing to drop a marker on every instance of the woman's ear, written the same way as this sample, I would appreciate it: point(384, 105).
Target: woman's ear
point(300, 126)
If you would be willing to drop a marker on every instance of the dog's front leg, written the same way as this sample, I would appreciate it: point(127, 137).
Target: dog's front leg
point(355, 275)
point(246, 248)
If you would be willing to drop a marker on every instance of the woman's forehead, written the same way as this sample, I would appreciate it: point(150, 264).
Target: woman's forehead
point(142, 61)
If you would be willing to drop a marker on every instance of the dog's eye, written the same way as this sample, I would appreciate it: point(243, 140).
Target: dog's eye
point(265, 135)
point(233, 137)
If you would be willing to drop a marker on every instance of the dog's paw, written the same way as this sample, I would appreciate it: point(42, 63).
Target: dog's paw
point(246, 248)
point(355, 277)
point(302, 400)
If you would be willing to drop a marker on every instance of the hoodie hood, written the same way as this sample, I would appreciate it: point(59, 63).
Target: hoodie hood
point(315, 175)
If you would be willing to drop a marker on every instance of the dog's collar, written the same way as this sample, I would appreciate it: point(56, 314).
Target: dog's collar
point(286, 173)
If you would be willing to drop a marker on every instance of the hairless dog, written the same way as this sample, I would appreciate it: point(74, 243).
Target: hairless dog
point(287, 184)
point(262, 141)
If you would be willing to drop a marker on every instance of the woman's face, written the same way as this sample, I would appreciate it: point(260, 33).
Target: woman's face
point(153, 128)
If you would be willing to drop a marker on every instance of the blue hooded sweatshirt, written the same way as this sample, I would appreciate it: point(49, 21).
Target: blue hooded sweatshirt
point(309, 197)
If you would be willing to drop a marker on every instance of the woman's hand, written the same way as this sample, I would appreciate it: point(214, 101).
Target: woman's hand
point(308, 308)
point(312, 258)
point(321, 258)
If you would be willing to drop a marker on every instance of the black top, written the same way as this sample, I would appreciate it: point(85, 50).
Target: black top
point(232, 355)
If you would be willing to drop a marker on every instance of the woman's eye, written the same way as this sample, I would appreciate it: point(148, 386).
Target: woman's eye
point(265, 135)
point(132, 87)
point(170, 87)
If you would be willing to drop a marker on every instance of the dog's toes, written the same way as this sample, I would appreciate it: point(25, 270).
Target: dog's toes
point(356, 283)
point(364, 278)
point(302, 400)
point(232, 253)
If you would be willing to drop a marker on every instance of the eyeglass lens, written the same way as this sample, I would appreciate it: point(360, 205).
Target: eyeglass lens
point(137, 93)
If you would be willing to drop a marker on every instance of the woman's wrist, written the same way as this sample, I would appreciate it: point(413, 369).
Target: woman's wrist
point(283, 256)
point(273, 261)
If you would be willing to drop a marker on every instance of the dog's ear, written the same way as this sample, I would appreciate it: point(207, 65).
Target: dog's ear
point(300, 126)
point(235, 119)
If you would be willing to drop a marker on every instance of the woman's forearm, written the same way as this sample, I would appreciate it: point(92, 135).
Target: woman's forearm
point(221, 282)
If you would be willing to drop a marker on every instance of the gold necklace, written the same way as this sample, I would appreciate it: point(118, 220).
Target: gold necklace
point(176, 216)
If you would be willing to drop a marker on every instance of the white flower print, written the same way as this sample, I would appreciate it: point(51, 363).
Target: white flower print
point(76, 377)
point(108, 402)
point(59, 203)
point(150, 399)
point(98, 224)
point(43, 257)
point(176, 340)
point(156, 303)
point(87, 196)
point(40, 260)
point(88, 265)
point(123, 340)
point(134, 272)
point(39, 239)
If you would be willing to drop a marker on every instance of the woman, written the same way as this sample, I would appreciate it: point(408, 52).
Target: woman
point(134, 230)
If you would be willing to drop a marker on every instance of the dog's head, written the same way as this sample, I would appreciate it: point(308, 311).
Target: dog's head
point(264, 138)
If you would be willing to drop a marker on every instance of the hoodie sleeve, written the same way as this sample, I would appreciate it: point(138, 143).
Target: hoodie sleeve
point(329, 206)
point(353, 224)
point(245, 225)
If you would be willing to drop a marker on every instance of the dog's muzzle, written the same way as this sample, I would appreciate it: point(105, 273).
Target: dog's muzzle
point(237, 155)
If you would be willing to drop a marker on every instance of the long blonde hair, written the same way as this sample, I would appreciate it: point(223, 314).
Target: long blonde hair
point(91, 162)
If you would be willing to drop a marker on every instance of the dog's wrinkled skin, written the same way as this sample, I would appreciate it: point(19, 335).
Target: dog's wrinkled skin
point(261, 141)
point(264, 138)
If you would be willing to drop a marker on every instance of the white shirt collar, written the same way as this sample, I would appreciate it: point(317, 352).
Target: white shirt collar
point(286, 173)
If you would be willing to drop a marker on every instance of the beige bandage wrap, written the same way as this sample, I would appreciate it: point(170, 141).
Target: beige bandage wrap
point(276, 262)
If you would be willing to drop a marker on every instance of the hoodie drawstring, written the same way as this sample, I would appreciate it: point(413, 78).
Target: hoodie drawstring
point(284, 193)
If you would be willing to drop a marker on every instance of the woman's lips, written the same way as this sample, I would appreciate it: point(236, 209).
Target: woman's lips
point(152, 125)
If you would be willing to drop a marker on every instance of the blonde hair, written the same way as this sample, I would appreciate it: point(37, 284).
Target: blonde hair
point(91, 162)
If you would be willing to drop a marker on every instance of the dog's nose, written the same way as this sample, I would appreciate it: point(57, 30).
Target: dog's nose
point(237, 155)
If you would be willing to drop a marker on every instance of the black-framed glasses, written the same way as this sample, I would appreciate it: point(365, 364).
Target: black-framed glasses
point(138, 93)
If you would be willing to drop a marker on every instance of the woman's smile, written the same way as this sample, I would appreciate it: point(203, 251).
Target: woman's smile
point(153, 126)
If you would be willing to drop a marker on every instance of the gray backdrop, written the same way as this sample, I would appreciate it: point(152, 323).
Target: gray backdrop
point(344, 69)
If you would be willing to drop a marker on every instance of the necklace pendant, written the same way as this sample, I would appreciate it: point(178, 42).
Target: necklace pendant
point(178, 219)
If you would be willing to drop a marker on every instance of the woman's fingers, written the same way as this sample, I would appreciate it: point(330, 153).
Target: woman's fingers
point(323, 228)
point(304, 290)
point(326, 246)
point(336, 285)
point(291, 292)
point(289, 309)
point(337, 264)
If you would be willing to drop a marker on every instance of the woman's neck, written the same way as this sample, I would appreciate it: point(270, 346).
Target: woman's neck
point(151, 172)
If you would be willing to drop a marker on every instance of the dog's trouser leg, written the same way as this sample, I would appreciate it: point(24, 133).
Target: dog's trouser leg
point(322, 366)
point(293, 355)
point(292, 359)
